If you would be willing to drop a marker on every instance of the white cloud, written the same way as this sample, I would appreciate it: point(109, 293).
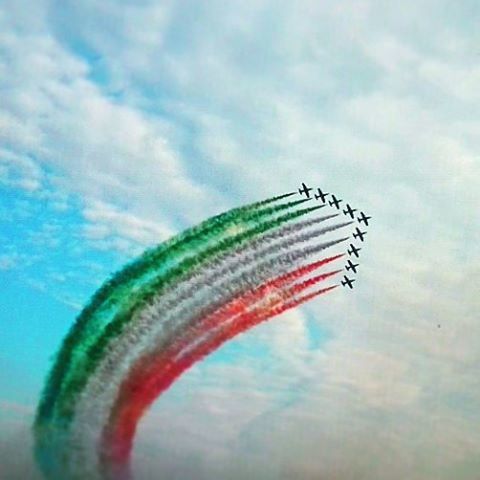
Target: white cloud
point(19, 171)
point(106, 220)
point(106, 151)
point(379, 380)
point(16, 443)
point(178, 111)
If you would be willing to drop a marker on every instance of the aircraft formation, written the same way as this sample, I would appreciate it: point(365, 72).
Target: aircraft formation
point(358, 234)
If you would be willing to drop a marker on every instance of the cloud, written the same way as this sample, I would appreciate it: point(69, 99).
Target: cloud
point(156, 116)
point(19, 171)
point(105, 220)
point(104, 150)
point(15, 449)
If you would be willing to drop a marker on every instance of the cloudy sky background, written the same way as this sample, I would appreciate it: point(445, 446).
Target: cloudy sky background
point(122, 123)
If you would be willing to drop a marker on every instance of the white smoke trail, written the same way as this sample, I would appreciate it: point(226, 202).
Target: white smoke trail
point(201, 292)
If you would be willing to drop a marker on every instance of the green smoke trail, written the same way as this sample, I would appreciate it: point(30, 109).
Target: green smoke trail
point(101, 306)
point(227, 282)
point(102, 384)
point(140, 299)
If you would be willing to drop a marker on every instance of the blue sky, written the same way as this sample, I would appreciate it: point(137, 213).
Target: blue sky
point(122, 123)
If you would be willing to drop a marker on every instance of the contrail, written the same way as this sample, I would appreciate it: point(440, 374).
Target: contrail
point(98, 311)
point(162, 323)
point(137, 298)
point(163, 312)
point(155, 372)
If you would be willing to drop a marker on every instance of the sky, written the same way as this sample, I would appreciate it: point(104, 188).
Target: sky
point(125, 122)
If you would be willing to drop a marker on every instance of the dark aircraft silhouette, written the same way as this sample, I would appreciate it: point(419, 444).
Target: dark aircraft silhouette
point(363, 218)
point(320, 195)
point(347, 281)
point(351, 266)
point(358, 234)
point(335, 202)
point(305, 190)
point(349, 211)
point(353, 250)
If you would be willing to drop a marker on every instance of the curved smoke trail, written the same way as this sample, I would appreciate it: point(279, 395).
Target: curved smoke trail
point(161, 314)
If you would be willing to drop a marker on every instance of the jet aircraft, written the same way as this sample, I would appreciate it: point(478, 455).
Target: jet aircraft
point(363, 218)
point(347, 281)
point(305, 190)
point(321, 195)
point(359, 234)
point(353, 250)
point(335, 202)
point(349, 211)
point(351, 266)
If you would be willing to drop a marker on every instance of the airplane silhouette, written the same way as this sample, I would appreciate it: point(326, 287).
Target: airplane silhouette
point(335, 202)
point(351, 266)
point(347, 281)
point(320, 195)
point(305, 190)
point(363, 218)
point(358, 234)
point(349, 211)
point(353, 250)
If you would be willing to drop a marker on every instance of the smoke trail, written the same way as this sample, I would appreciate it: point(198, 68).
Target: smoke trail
point(176, 319)
point(234, 307)
point(137, 299)
point(266, 295)
point(177, 302)
point(121, 351)
point(155, 372)
point(102, 303)
point(107, 384)
point(209, 279)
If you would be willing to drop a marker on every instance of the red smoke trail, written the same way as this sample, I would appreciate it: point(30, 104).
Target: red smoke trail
point(143, 370)
point(241, 303)
point(234, 307)
point(156, 371)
